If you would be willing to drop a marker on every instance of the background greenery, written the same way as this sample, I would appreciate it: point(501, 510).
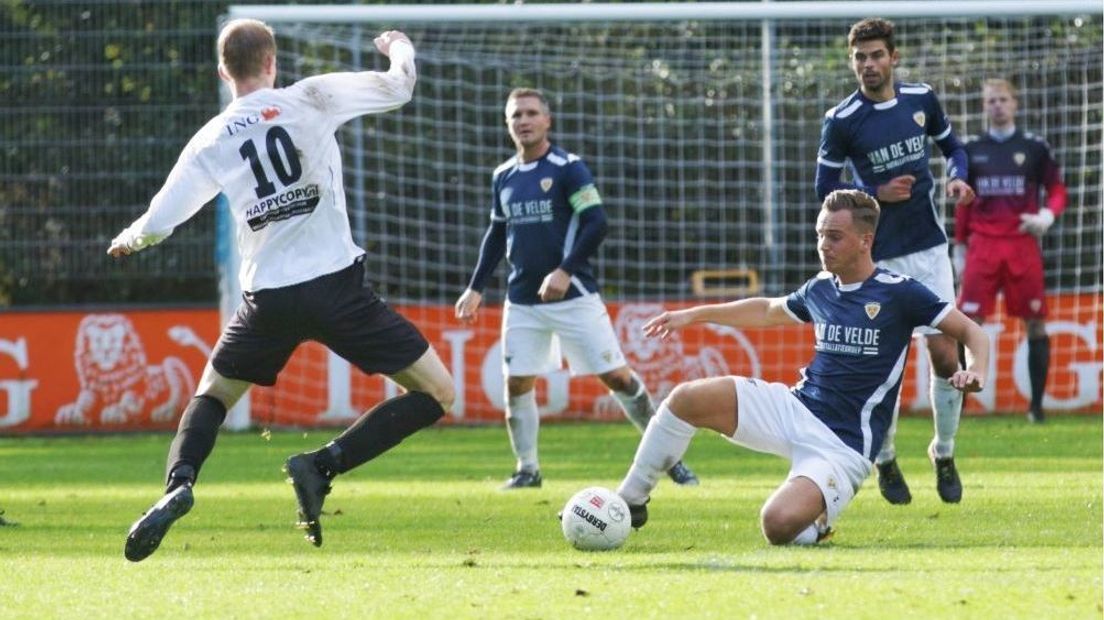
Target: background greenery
point(98, 97)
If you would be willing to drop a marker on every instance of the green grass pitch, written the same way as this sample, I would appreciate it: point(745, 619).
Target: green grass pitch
point(424, 532)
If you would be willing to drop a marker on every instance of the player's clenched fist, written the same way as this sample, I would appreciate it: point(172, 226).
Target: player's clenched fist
point(384, 40)
point(898, 189)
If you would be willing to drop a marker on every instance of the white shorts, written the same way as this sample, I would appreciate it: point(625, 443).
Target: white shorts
point(932, 268)
point(534, 336)
point(773, 420)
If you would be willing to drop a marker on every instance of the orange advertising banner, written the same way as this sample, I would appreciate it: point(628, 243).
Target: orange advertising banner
point(136, 370)
point(105, 371)
point(775, 354)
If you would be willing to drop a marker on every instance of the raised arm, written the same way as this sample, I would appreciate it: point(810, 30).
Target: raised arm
point(754, 312)
point(961, 328)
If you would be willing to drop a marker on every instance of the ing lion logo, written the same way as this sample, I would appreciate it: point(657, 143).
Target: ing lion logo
point(117, 382)
point(662, 364)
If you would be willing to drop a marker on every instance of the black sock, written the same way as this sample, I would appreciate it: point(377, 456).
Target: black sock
point(377, 431)
point(1038, 364)
point(195, 438)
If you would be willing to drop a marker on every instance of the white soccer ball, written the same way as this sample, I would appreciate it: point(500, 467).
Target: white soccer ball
point(595, 519)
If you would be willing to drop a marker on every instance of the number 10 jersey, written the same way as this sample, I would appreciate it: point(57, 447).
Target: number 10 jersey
point(274, 156)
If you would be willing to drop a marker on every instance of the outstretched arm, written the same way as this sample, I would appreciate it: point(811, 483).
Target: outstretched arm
point(961, 328)
point(185, 192)
point(754, 312)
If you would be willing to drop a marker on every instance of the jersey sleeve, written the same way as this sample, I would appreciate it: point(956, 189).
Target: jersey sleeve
point(188, 188)
point(1057, 195)
point(796, 305)
point(920, 306)
point(938, 126)
point(341, 97)
point(498, 212)
point(831, 159)
point(581, 192)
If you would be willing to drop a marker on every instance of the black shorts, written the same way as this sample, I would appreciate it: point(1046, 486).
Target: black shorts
point(339, 310)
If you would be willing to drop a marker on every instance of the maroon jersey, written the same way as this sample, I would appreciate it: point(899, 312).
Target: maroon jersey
point(1007, 176)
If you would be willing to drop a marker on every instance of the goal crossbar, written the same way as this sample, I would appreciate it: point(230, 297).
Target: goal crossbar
point(652, 11)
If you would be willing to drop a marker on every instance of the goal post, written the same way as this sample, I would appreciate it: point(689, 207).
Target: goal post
point(700, 122)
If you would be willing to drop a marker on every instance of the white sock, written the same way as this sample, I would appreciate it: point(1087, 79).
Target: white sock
point(889, 450)
point(808, 536)
point(522, 423)
point(663, 444)
point(811, 534)
point(638, 405)
point(947, 406)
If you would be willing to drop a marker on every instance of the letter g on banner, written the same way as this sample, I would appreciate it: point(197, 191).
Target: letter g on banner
point(18, 391)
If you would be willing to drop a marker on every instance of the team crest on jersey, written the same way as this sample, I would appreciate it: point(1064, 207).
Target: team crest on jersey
point(270, 112)
point(872, 309)
point(1019, 158)
point(546, 183)
point(919, 117)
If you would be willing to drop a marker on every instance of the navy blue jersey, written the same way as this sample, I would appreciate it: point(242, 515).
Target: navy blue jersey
point(540, 202)
point(1007, 175)
point(878, 141)
point(863, 332)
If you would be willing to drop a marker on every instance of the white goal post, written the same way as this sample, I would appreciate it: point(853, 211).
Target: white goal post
point(700, 121)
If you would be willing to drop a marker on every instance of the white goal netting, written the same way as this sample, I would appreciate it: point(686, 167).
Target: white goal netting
point(702, 136)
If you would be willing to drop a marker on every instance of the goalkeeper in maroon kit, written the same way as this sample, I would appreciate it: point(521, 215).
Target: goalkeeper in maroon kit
point(997, 235)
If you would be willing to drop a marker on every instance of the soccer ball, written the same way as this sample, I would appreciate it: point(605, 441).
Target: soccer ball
point(595, 519)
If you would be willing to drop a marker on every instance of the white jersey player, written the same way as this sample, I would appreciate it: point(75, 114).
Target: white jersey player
point(272, 152)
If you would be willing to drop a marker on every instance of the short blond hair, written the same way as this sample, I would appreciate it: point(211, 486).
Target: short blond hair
point(244, 45)
point(864, 209)
point(993, 83)
point(518, 93)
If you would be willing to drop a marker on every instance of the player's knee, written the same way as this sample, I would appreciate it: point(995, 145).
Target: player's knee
point(518, 386)
point(683, 401)
point(619, 380)
point(780, 525)
point(944, 360)
point(444, 393)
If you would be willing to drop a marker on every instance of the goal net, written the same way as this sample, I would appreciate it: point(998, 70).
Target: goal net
point(701, 124)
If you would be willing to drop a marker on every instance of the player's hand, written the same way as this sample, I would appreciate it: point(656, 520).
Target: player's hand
point(119, 247)
point(669, 322)
point(468, 305)
point(961, 191)
point(385, 39)
point(1037, 223)
point(555, 285)
point(968, 381)
point(898, 189)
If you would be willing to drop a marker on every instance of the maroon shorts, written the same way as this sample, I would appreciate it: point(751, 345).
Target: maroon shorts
point(1012, 265)
point(338, 310)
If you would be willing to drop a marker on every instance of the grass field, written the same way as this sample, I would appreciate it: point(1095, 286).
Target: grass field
point(424, 532)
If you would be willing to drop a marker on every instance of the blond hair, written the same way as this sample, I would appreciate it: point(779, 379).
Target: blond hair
point(994, 83)
point(864, 209)
point(244, 46)
point(518, 93)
